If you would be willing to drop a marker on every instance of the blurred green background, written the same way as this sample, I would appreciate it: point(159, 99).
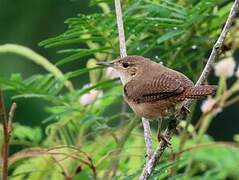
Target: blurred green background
point(28, 22)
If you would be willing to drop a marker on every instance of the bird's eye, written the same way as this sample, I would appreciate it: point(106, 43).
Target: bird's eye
point(125, 64)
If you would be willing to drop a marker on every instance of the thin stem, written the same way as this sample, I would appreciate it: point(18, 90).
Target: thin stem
point(120, 26)
point(218, 45)
point(184, 135)
point(7, 130)
point(147, 138)
point(123, 53)
point(204, 126)
point(148, 168)
point(65, 172)
point(232, 101)
point(198, 146)
point(5, 148)
point(11, 116)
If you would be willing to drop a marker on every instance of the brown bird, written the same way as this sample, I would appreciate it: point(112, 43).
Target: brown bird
point(154, 91)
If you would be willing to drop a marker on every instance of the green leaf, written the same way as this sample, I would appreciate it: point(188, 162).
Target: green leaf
point(80, 53)
point(169, 35)
point(25, 133)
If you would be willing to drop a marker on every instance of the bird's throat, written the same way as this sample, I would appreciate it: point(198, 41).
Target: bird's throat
point(124, 78)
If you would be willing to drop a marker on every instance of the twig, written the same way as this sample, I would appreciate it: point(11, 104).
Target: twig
point(5, 134)
point(147, 138)
point(10, 117)
point(7, 130)
point(65, 172)
point(123, 53)
point(148, 168)
point(120, 26)
point(198, 146)
point(218, 45)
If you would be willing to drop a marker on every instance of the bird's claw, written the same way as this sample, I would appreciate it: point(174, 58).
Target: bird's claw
point(186, 109)
point(164, 139)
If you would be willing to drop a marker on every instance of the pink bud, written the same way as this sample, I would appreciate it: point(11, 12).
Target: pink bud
point(225, 67)
point(90, 97)
point(208, 106)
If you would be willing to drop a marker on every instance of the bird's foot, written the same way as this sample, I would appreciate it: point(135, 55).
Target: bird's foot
point(162, 137)
point(186, 109)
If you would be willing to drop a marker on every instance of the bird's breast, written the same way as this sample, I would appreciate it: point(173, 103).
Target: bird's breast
point(161, 109)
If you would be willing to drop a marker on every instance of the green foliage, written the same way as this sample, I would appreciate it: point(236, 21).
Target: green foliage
point(26, 134)
point(175, 33)
point(153, 29)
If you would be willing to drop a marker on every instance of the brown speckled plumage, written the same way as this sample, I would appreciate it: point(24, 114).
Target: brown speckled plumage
point(158, 91)
point(153, 90)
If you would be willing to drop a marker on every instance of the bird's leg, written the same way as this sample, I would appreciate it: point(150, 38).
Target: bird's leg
point(186, 109)
point(160, 136)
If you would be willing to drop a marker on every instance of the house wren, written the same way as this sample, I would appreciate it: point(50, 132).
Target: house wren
point(154, 91)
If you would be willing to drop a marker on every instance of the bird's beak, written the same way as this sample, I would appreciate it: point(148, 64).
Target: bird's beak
point(106, 63)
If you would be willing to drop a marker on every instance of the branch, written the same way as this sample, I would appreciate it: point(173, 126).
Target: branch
point(10, 117)
point(147, 138)
point(123, 53)
point(218, 45)
point(149, 167)
point(7, 130)
point(120, 26)
point(5, 143)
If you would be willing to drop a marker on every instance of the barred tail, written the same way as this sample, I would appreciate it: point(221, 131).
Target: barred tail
point(198, 92)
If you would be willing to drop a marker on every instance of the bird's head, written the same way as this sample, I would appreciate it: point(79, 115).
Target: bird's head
point(129, 67)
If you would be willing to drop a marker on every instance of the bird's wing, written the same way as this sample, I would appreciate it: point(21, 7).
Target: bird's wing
point(158, 87)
